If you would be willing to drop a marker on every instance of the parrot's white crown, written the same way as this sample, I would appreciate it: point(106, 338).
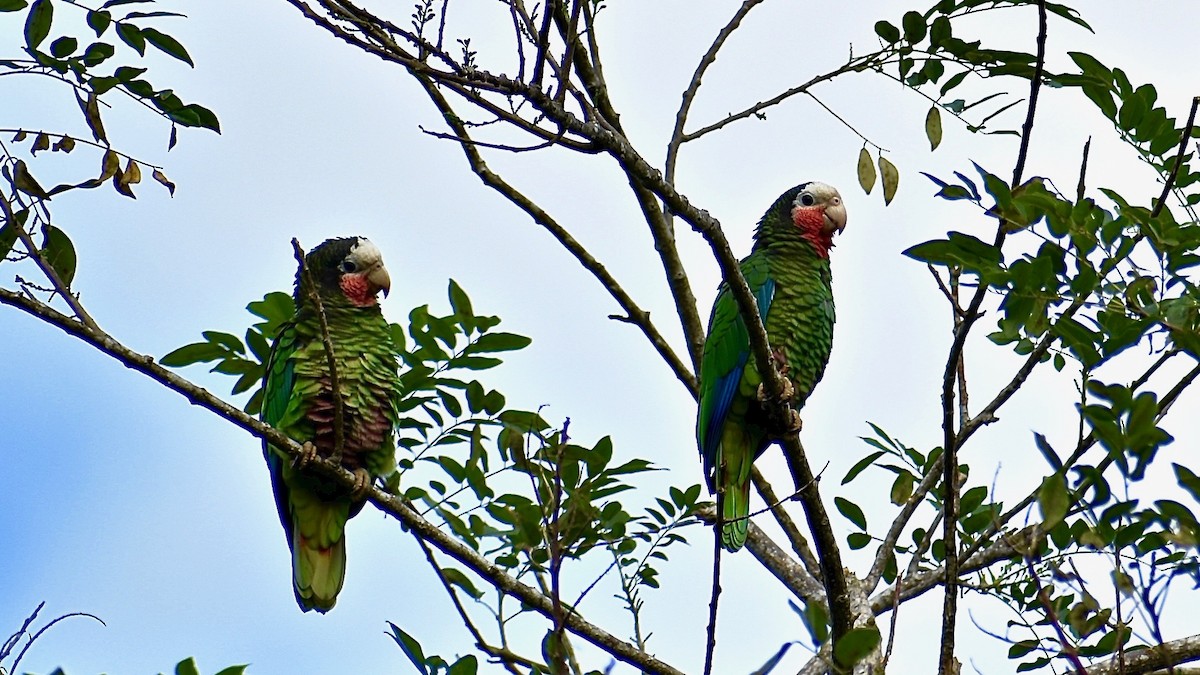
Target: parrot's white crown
point(365, 253)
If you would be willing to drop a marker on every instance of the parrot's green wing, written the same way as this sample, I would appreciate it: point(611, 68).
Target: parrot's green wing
point(726, 353)
point(727, 446)
point(279, 382)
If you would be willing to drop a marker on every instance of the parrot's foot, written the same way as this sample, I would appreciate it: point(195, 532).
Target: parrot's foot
point(362, 485)
point(794, 423)
point(789, 391)
point(308, 453)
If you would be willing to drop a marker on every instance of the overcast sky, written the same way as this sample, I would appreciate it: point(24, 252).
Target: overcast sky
point(120, 499)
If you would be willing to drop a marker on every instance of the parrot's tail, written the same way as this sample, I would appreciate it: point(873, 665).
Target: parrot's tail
point(319, 557)
point(735, 512)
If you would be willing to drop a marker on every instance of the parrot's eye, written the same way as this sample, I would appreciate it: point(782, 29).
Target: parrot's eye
point(807, 199)
point(348, 266)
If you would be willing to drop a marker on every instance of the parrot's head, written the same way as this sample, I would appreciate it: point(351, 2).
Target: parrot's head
point(349, 266)
point(816, 211)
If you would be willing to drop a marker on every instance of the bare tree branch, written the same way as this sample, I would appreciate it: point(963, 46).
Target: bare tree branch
point(1152, 660)
point(799, 543)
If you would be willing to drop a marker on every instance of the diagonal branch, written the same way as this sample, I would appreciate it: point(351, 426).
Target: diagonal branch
point(509, 658)
point(634, 314)
point(799, 543)
point(388, 503)
point(693, 88)
point(34, 252)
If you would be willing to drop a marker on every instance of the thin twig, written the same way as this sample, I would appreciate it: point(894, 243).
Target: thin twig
point(1065, 645)
point(33, 638)
point(795, 537)
point(1081, 188)
point(61, 288)
point(710, 644)
point(636, 314)
point(693, 88)
point(504, 655)
point(1183, 143)
point(309, 286)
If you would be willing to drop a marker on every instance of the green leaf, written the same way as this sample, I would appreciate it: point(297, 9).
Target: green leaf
point(63, 47)
point(852, 512)
point(499, 342)
point(856, 645)
point(866, 171)
point(1133, 109)
point(1053, 499)
point(939, 31)
point(37, 24)
point(1187, 480)
point(902, 488)
point(412, 648)
point(12, 5)
point(99, 21)
point(59, 252)
point(933, 127)
point(233, 670)
point(167, 44)
point(887, 31)
point(861, 465)
point(858, 540)
point(8, 233)
point(891, 179)
point(457, 578)
point(1048, 451)
point(193, 353)
point(97, 53)
point(132, 36)
point(914, 27)
point(467, 665)
point(187, 667)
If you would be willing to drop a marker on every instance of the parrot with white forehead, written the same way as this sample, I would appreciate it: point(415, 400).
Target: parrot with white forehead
point(788, 273)
point(348, 274)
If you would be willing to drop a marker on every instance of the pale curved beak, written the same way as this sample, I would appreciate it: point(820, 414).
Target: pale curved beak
point(835, 216)
point(378, 276)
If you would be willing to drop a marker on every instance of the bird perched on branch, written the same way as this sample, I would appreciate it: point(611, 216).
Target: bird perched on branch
point(346, 276)
point(788, 273)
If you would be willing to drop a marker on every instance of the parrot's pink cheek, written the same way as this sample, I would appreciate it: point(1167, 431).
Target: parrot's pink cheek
point(358, 290)
point(811, 223)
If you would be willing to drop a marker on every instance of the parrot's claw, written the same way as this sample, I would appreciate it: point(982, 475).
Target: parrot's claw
point(794, 423)
point(362, 485)
point(789, 391)
point(308, 453)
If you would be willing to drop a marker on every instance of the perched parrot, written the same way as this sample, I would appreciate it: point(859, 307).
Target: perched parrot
point(788, 273)
point(298, 400)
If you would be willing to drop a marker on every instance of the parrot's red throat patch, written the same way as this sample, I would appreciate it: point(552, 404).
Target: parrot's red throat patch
point(811, 223)
point(358, 290)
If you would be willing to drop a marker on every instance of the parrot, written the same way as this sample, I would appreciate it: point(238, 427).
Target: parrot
point(298, 400)
point(788, 273)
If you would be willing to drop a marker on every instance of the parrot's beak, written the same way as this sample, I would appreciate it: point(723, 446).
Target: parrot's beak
point(835, 216)
point(378, 276)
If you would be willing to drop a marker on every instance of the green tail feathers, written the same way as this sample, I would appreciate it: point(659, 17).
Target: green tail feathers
point(318, 549)
point(735, 512)
point(318, 573)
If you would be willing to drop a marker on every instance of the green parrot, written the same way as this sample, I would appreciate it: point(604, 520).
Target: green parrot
point(298, 400)
point(788, 273)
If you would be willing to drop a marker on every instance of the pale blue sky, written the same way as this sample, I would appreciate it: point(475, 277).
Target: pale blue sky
point(122, 500)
